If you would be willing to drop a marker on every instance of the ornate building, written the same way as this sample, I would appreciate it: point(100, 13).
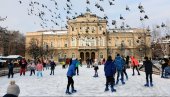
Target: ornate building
point(88, 37)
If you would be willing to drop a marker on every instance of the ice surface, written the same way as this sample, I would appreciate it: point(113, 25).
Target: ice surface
point(85, 84)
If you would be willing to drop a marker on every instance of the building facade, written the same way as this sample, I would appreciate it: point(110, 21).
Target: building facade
point(88, 37)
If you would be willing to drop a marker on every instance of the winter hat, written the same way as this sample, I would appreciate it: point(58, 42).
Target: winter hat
point(73, 58)
point(13, 89)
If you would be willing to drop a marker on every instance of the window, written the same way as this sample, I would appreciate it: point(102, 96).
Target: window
point(73, 55)
point(65, 45)
point(101, 55)
point(51, 44)
point(129, 42)
point(65, 55)
point(100, 28)
point(72, 28)
point(73, 42)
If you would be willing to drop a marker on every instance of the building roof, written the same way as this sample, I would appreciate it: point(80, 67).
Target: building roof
point(57, 32)
point(11, 57)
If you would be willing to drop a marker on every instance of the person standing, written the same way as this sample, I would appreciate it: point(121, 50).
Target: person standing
point(39, 69)
point(164, 65)
point(110, 70)
point(135, 64)
point(103, 61)
point(23, 65)
point(119, 66)
point(52, 64)
point(127, 61)
point(95, 68)
point(10, 68)
point(70, 74)
point(77, 66)
point(13, 90)
point(124, 68)
point(147, 64)
point(88, 62)
point(32, 68)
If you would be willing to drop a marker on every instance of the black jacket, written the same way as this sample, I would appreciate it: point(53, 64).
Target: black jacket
point(9, 95)
point(148, 66)
point(52, 65)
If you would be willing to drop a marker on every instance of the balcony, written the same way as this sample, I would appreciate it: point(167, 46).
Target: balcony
point(87, 47)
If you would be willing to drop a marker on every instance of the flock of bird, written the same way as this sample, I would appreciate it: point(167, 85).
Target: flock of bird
point(48, 14)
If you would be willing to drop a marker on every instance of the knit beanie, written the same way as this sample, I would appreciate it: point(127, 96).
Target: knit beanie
point(73, 58)
point(13, 89)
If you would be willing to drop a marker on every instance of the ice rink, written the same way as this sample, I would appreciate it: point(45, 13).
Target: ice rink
point(85, 84)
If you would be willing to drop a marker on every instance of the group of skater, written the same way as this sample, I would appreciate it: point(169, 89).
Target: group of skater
point(111, 68)
point(114, 70)
point(34, 65)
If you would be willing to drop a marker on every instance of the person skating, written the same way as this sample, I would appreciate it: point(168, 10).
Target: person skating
point(77, 67)
point(127, 61)
point(135, 64)
point(88, 62)
point(10, 68)
point(124, 69)
point(52, 64)
point(70, 74)
point(110, 70)
point(147, 64)
point(164, 65)
point(23, 65)
point(32, 68)
point(119, 66)
point(95, 68)
point(13, 90)
point(39, 69)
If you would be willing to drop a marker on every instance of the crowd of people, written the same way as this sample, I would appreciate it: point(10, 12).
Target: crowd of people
point(34, 65)
point(118, 66)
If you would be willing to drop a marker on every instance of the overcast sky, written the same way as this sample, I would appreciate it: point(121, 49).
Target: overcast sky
point(18, 18)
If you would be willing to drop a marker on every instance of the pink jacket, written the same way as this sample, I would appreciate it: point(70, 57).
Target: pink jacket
point(39, 67)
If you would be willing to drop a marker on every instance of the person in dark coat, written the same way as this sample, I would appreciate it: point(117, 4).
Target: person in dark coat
point(125, 66)
point(119, 66)
point(88, 62)
point(110, 70)
point(164, 65)
point(10, 68)
point(147, 64)
point(127, 62)
point(52, 64)
point(70, 73)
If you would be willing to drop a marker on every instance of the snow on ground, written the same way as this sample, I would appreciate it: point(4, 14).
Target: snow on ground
point(85, 84)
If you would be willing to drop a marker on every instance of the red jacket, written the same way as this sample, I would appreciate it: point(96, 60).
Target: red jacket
point(134, 61)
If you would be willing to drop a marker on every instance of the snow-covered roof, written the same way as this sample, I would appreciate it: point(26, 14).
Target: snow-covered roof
point(2, 60)
point(12, 56)
point(121, 30)
point(56, 32)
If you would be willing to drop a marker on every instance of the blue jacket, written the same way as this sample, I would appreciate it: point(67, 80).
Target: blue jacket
point(71, 70)
point(109, 68)
point(119, 63)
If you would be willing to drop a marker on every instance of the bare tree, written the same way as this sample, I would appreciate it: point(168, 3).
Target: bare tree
point(34, 50)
